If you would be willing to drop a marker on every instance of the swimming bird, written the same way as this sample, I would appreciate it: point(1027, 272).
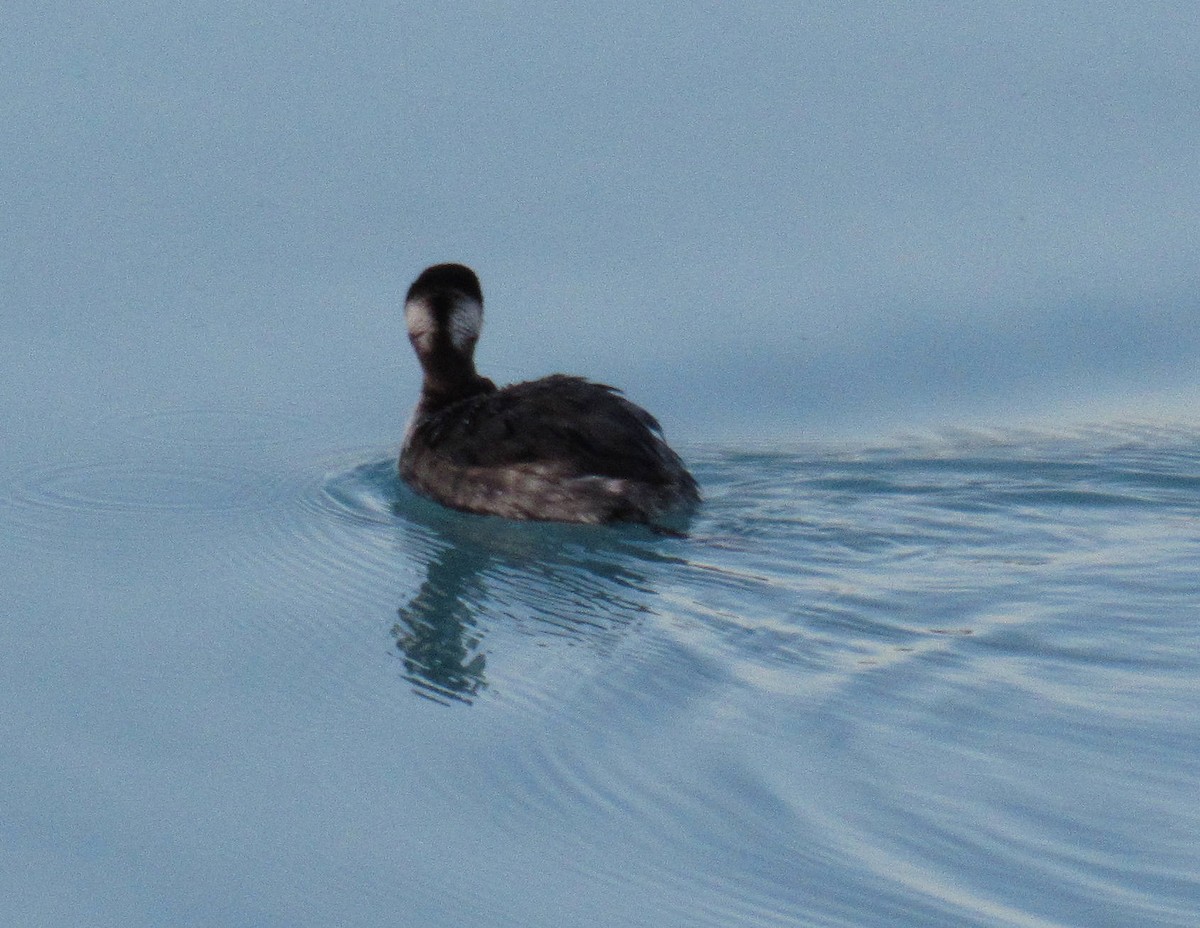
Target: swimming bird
point(558, 449)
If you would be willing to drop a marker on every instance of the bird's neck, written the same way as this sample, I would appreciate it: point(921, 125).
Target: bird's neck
point(448, 379)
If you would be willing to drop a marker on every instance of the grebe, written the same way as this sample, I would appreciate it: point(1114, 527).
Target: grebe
point(559, 449)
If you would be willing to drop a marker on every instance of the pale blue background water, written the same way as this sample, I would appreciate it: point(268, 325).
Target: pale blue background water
point(948, 678)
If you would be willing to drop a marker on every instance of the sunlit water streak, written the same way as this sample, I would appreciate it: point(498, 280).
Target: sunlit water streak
point(948, 681)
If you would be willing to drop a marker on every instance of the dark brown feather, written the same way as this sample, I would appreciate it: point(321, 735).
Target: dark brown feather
point(583, 427)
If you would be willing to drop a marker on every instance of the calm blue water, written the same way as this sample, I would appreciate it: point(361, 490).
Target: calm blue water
point(948, 681)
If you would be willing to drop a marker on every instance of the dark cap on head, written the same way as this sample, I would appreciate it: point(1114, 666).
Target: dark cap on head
point(442, 277)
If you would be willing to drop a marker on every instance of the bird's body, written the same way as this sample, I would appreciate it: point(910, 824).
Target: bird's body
point(558, 449)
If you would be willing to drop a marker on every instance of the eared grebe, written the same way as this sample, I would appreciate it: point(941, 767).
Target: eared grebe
point(559, 449)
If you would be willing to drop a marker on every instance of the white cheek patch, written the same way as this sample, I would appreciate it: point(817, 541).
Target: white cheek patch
point(419, 319)
point(465, 322)
point(421, 325)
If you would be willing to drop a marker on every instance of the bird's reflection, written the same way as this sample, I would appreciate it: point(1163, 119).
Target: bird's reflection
point(573, 582)
point(437, 632)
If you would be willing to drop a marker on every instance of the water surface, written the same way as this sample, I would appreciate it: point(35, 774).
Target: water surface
point(947, 681)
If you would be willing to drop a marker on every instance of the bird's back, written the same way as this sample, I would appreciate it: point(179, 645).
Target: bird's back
point(559, 448)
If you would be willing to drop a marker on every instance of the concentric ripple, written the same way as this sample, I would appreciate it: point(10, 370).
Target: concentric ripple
point(353, 559)
point(122, 488)
point(63, 504)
